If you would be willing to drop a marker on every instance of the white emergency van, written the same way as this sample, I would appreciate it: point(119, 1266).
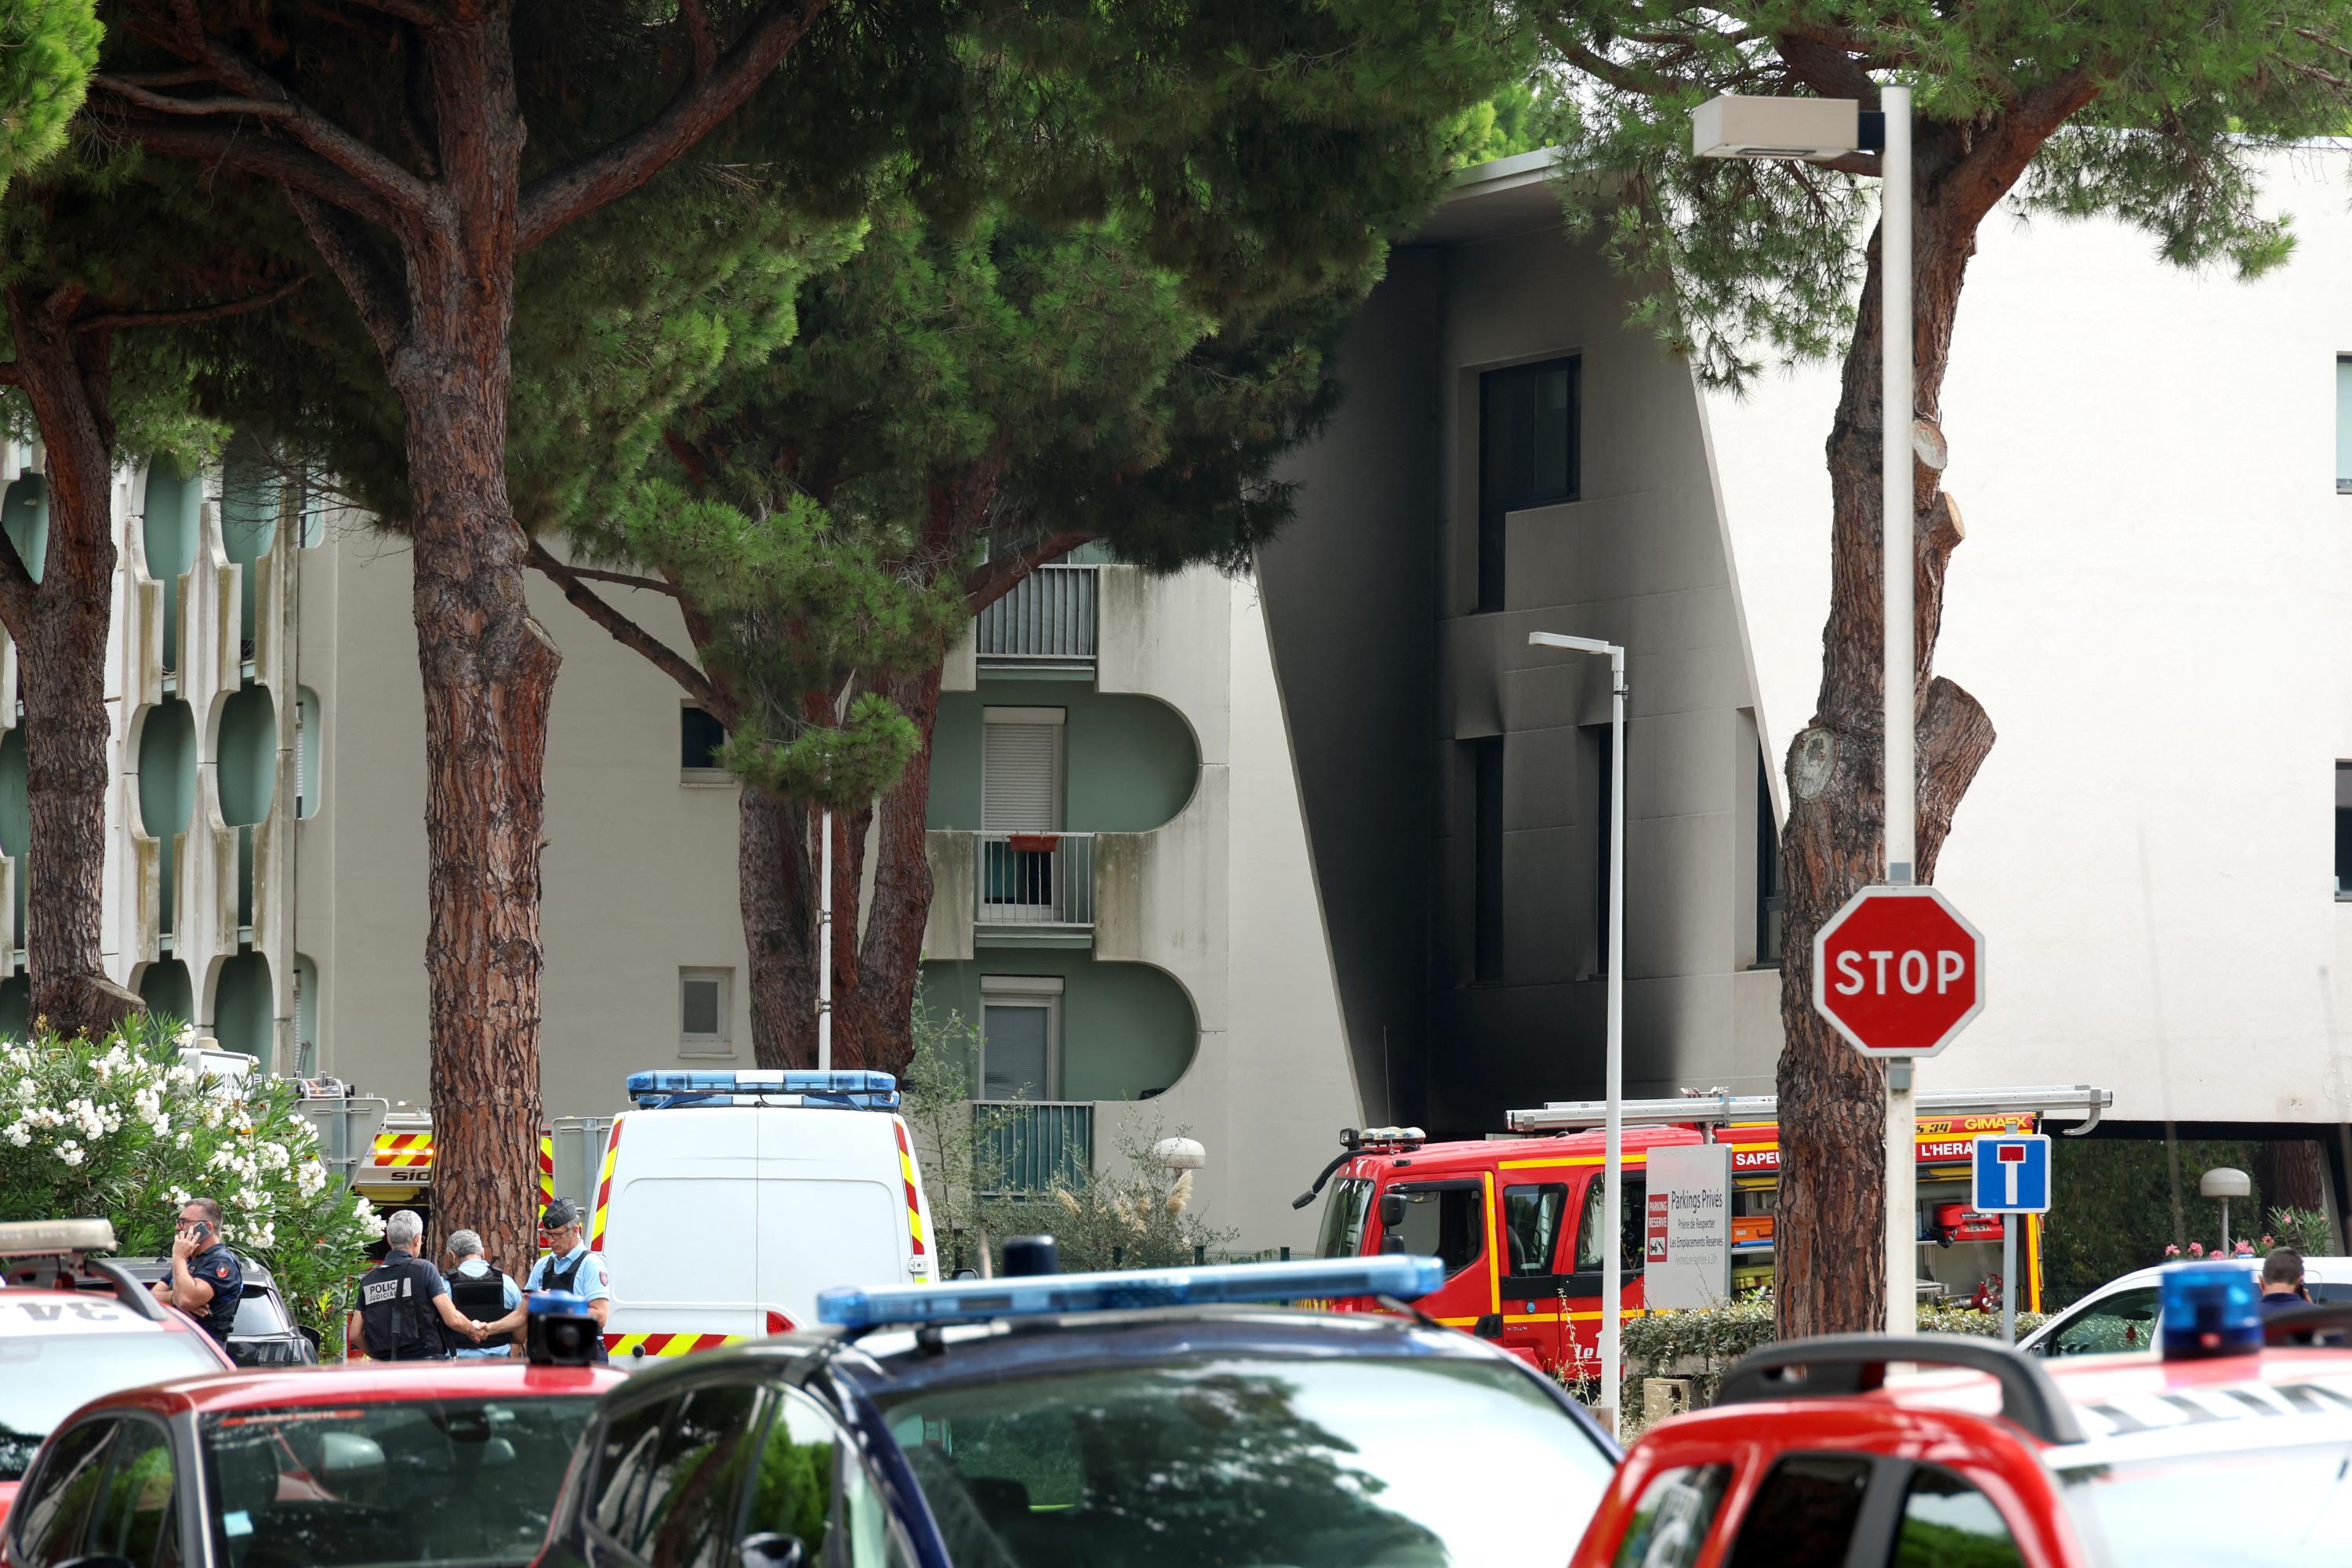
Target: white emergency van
point(726, 1200)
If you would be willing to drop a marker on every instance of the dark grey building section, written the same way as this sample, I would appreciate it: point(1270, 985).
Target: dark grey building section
point(1454, 778)
point(1350, 614)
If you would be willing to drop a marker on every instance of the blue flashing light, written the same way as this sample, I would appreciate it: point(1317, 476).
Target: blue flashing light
point(2209, 1310)
point(1043, 1295)
point(852, 1089)
point(556, 1304)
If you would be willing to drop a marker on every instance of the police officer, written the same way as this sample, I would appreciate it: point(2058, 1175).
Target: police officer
point(483, 1293)
point(405, 1304)
point(570, 1265)
point(208, 1281)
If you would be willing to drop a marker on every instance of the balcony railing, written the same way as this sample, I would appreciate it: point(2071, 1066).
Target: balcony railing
point(1048, 618)
point(1034, 880)
point(1022, 1147)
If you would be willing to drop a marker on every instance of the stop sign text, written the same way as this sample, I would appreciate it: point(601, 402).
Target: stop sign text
point(1898, 972)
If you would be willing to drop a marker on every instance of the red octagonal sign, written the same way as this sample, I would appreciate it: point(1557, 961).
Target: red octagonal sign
point(1898, 972)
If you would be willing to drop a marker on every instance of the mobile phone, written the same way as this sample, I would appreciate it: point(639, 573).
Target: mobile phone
point(202, 1230)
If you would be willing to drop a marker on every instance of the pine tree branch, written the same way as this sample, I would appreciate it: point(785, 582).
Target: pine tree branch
point(643, 585)
point(1825, 67)
point(1625, 77)
point(352, 255)
point(165, 103)
point(626, 632)
point(559, 197)
point(698, 30)
point(991, 580)
point(296, 168)
point(226, 308)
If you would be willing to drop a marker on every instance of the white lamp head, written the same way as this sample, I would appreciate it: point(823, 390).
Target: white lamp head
point(1735, 127)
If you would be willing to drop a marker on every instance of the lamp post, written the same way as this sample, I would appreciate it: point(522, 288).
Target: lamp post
point(1612, 1159)
point(2224, 1182)
point(1732, 126)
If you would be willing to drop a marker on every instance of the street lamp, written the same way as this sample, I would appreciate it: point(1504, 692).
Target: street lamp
point(1612, 1159)
point(1733, 127)
point(2224, 1182)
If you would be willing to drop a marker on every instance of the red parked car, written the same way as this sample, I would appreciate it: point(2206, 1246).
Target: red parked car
point(2224, 1452)
point(442, 1462)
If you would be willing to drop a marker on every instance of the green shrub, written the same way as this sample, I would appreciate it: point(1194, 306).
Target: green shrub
point(119, 1130)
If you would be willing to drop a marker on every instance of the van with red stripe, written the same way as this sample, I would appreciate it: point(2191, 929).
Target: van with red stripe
point(726, 1200)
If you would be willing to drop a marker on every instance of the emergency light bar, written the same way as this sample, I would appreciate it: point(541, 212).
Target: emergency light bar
point(853, 1090)
point(2208, 1309)
point(1393, 1274)
point(2047, 1099)
point(55, 1238)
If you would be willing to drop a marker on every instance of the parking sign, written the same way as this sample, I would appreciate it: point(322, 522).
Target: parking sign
point(2013, 1174)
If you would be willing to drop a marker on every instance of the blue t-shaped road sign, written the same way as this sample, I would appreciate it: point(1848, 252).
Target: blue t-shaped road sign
point(2013, 1174)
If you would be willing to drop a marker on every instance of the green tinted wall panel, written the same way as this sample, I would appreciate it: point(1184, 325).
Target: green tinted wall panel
point(242, 1007)
point(1127, 1029)
point(1130, 763)
point(168, 534)
point(248, 755)
point(166, 989)
point(15, 1007)
point(25, 515)
point(249, 492)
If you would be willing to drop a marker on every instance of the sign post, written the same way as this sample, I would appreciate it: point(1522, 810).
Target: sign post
point(1686, 1230)
point(2010, 1177)
point(1899, 972)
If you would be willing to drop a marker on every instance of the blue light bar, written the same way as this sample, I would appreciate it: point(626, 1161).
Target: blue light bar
point(557, 1303)
point(855, 1089)
point(2209, 1310)
point(1041, 1295)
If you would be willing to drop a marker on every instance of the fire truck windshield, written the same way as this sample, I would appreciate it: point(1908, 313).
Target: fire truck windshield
point(1343, 1217)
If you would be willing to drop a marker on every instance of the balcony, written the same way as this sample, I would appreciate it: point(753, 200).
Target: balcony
point(1046, 621)
point(1022, 1148)
point(1039, 882)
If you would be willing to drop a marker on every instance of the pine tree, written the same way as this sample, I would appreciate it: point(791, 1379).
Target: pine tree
point(429, 147)
point(2153, 111)
point(47, 50)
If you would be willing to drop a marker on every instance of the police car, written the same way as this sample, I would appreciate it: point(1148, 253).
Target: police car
point(61, 1346)
point(1167, 1418)
point(2233, 1447)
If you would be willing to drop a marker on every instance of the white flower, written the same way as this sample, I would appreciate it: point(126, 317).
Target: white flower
point(71, 1153)
point(18, 1133)
point(183, 1140)
point(180, 1196)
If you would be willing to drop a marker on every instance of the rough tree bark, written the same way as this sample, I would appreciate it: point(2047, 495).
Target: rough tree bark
point(1830, 1266)
point(778, 894)
point(425, 240)
point(59, 624)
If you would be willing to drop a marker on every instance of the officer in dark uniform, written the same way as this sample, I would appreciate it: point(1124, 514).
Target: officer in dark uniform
point(403, 1301)
point(208, 1281)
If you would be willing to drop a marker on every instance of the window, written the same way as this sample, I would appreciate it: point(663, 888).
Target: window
point(705, 1012)
point(1020, 770)
point(1532, 1226)
point(1947, 1522)
point(814, 1491)
point(2344, 830)
point(2344, 425)
point(671, 1484)
point(1343, 1217)
point(2122, 1321)
point(1599, 752)
point(699, 736)
point(1769, 913)
point(1631, 1257)
point(1020, 1037)
point(134, 1520)
point(1804, 1513)
point(1527, 454)
point(1487, 870)
point(1444, 1220)
point(48, 1520)
point(1672, 1518)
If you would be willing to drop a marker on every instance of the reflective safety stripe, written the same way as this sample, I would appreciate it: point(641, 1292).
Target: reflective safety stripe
point(635, 1345)
point(907, 1178)
point(605, 1185)
point(546, 1169)
point(402, 1149)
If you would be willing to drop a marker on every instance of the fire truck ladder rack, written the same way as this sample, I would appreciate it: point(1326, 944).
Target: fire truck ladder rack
point(2046, 1100)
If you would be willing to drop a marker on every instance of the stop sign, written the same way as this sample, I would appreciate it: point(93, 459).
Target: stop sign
point(1898, 972)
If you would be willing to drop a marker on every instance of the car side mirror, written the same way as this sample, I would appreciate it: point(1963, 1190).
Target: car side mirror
point(1392, 1210)
point(317, 1340)
point(765, 1550)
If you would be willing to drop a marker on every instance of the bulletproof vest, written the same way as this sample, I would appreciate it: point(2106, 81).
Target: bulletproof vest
point(396, 1315)
point(484, 1299)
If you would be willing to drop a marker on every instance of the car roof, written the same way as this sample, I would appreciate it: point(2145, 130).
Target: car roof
point(364, 1382)
point(144, 1268)
point(28, 1310)
point(2332, 1270)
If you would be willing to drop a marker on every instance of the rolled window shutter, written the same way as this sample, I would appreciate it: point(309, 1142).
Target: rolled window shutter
point(1017, 782)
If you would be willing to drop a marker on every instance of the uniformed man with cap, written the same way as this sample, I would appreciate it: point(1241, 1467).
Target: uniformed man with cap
point(570, 1265)
point(208, 1281)
point(404, 1302)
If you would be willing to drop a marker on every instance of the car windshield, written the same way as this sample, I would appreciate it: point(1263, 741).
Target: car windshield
point(44, 1378)
point(1354, 1462)
point(340, 1484)
point(2189, 1509)
point(1343, 1217)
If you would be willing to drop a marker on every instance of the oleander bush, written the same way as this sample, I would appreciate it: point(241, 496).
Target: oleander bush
point(120, 1128)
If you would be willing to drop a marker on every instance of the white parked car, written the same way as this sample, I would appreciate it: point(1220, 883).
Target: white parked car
point(728, 1200)
point(2121, 1315)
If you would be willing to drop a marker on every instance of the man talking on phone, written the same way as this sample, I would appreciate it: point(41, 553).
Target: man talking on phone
point(207, 1280)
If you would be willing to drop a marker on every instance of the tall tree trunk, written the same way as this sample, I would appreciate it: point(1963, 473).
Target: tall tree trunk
point(891, 956)
point(2288, 1174)
point(60, 627)
point(777, 894)
point(1829, 1239)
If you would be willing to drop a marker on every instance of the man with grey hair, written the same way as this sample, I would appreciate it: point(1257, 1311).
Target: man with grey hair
point(404, 1302)
point(483, 1294)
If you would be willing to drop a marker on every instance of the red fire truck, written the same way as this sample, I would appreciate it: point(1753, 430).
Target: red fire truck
point(1517, 1220)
